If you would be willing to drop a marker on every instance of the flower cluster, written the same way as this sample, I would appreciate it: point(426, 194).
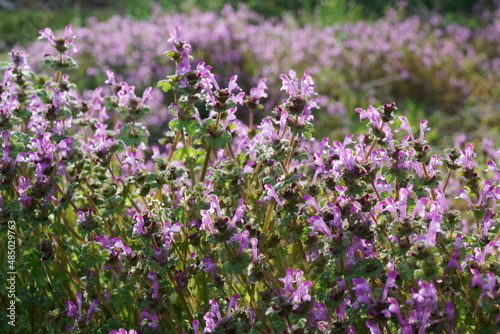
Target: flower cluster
point(216, 227)
point(391, 58)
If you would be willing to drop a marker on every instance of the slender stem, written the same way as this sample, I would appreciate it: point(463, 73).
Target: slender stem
point(289, 156)
point(250, 121)
point(71, 229)
point(217, 121)
point(373, 143)
point(376, 191)
point(205, 164)
point(191, 170)
point(305, 263)
point(249, 290)
point(174, 145)
point(447, 180)
point(443, 247)
point(182, 298)
point(58, 72)
point(433, 194)
point(73, 277)
point(367, 155)
point(255, 172)
point(230, 152)
point(267, 220)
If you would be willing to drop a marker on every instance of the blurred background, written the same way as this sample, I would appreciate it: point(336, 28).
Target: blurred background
point(438, 60)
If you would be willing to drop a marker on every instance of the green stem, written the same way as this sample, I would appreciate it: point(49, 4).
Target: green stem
point(447, 180)
point(267, 220)
point(433, 194)
point(252, 179)
point(367, 155)
point(182, 298)
point(289, 155)
point(191, 170)
point(305, 263)
point(174, 145)
point(205, 163)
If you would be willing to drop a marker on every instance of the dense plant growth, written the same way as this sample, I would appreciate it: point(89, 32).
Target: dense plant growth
point(224, 228)
point(425, 65)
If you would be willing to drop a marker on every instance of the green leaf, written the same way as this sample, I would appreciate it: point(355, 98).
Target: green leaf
point(151, 178)
point(219, 140)
point(165, 85)
point(4, 65)
point(171, 54)
point(92, 255)
point(133, 134)
point(190, 125)
point(237, 266)
point(187, 152)
point(59, 278)
point(405, 271)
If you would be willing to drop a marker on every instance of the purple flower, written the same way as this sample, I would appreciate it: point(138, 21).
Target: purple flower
point(196, 327)
point(434, 227)
point(168, 229)
point(317, 224)
point(139, 225)
point(267, 130)
point(175, 35)
point(340, 312)
point(210, 324)
point(64, 42)
point(71, 309)
point(238, 214)
point(177, 43)
point(311, 202)
point(394, 308)
point(152, 276)
point(6, 82)
point(233, 303)
point(374, 329)
point(390, 283)
point(184, 66)
point(242, 238)
point(373, 116)
point(123, 331)
point(487, 286)
point(215, 310)
point(425, 301)
point(405, 125)
point(255, 250)
point(272, 193)
point(290, 83)
point(48, 35)
point(259, 92)
point(464, 195)
point(423, 128)
point(151, 317)
point(76, 313)
point(364, 292)
point(206, 222)
point(466, 158)
point(298, 293)
point(111, 244)
point(19, 58)
point(92, 309)
point(209, 265)
point(214, 204)
point(318, 312)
